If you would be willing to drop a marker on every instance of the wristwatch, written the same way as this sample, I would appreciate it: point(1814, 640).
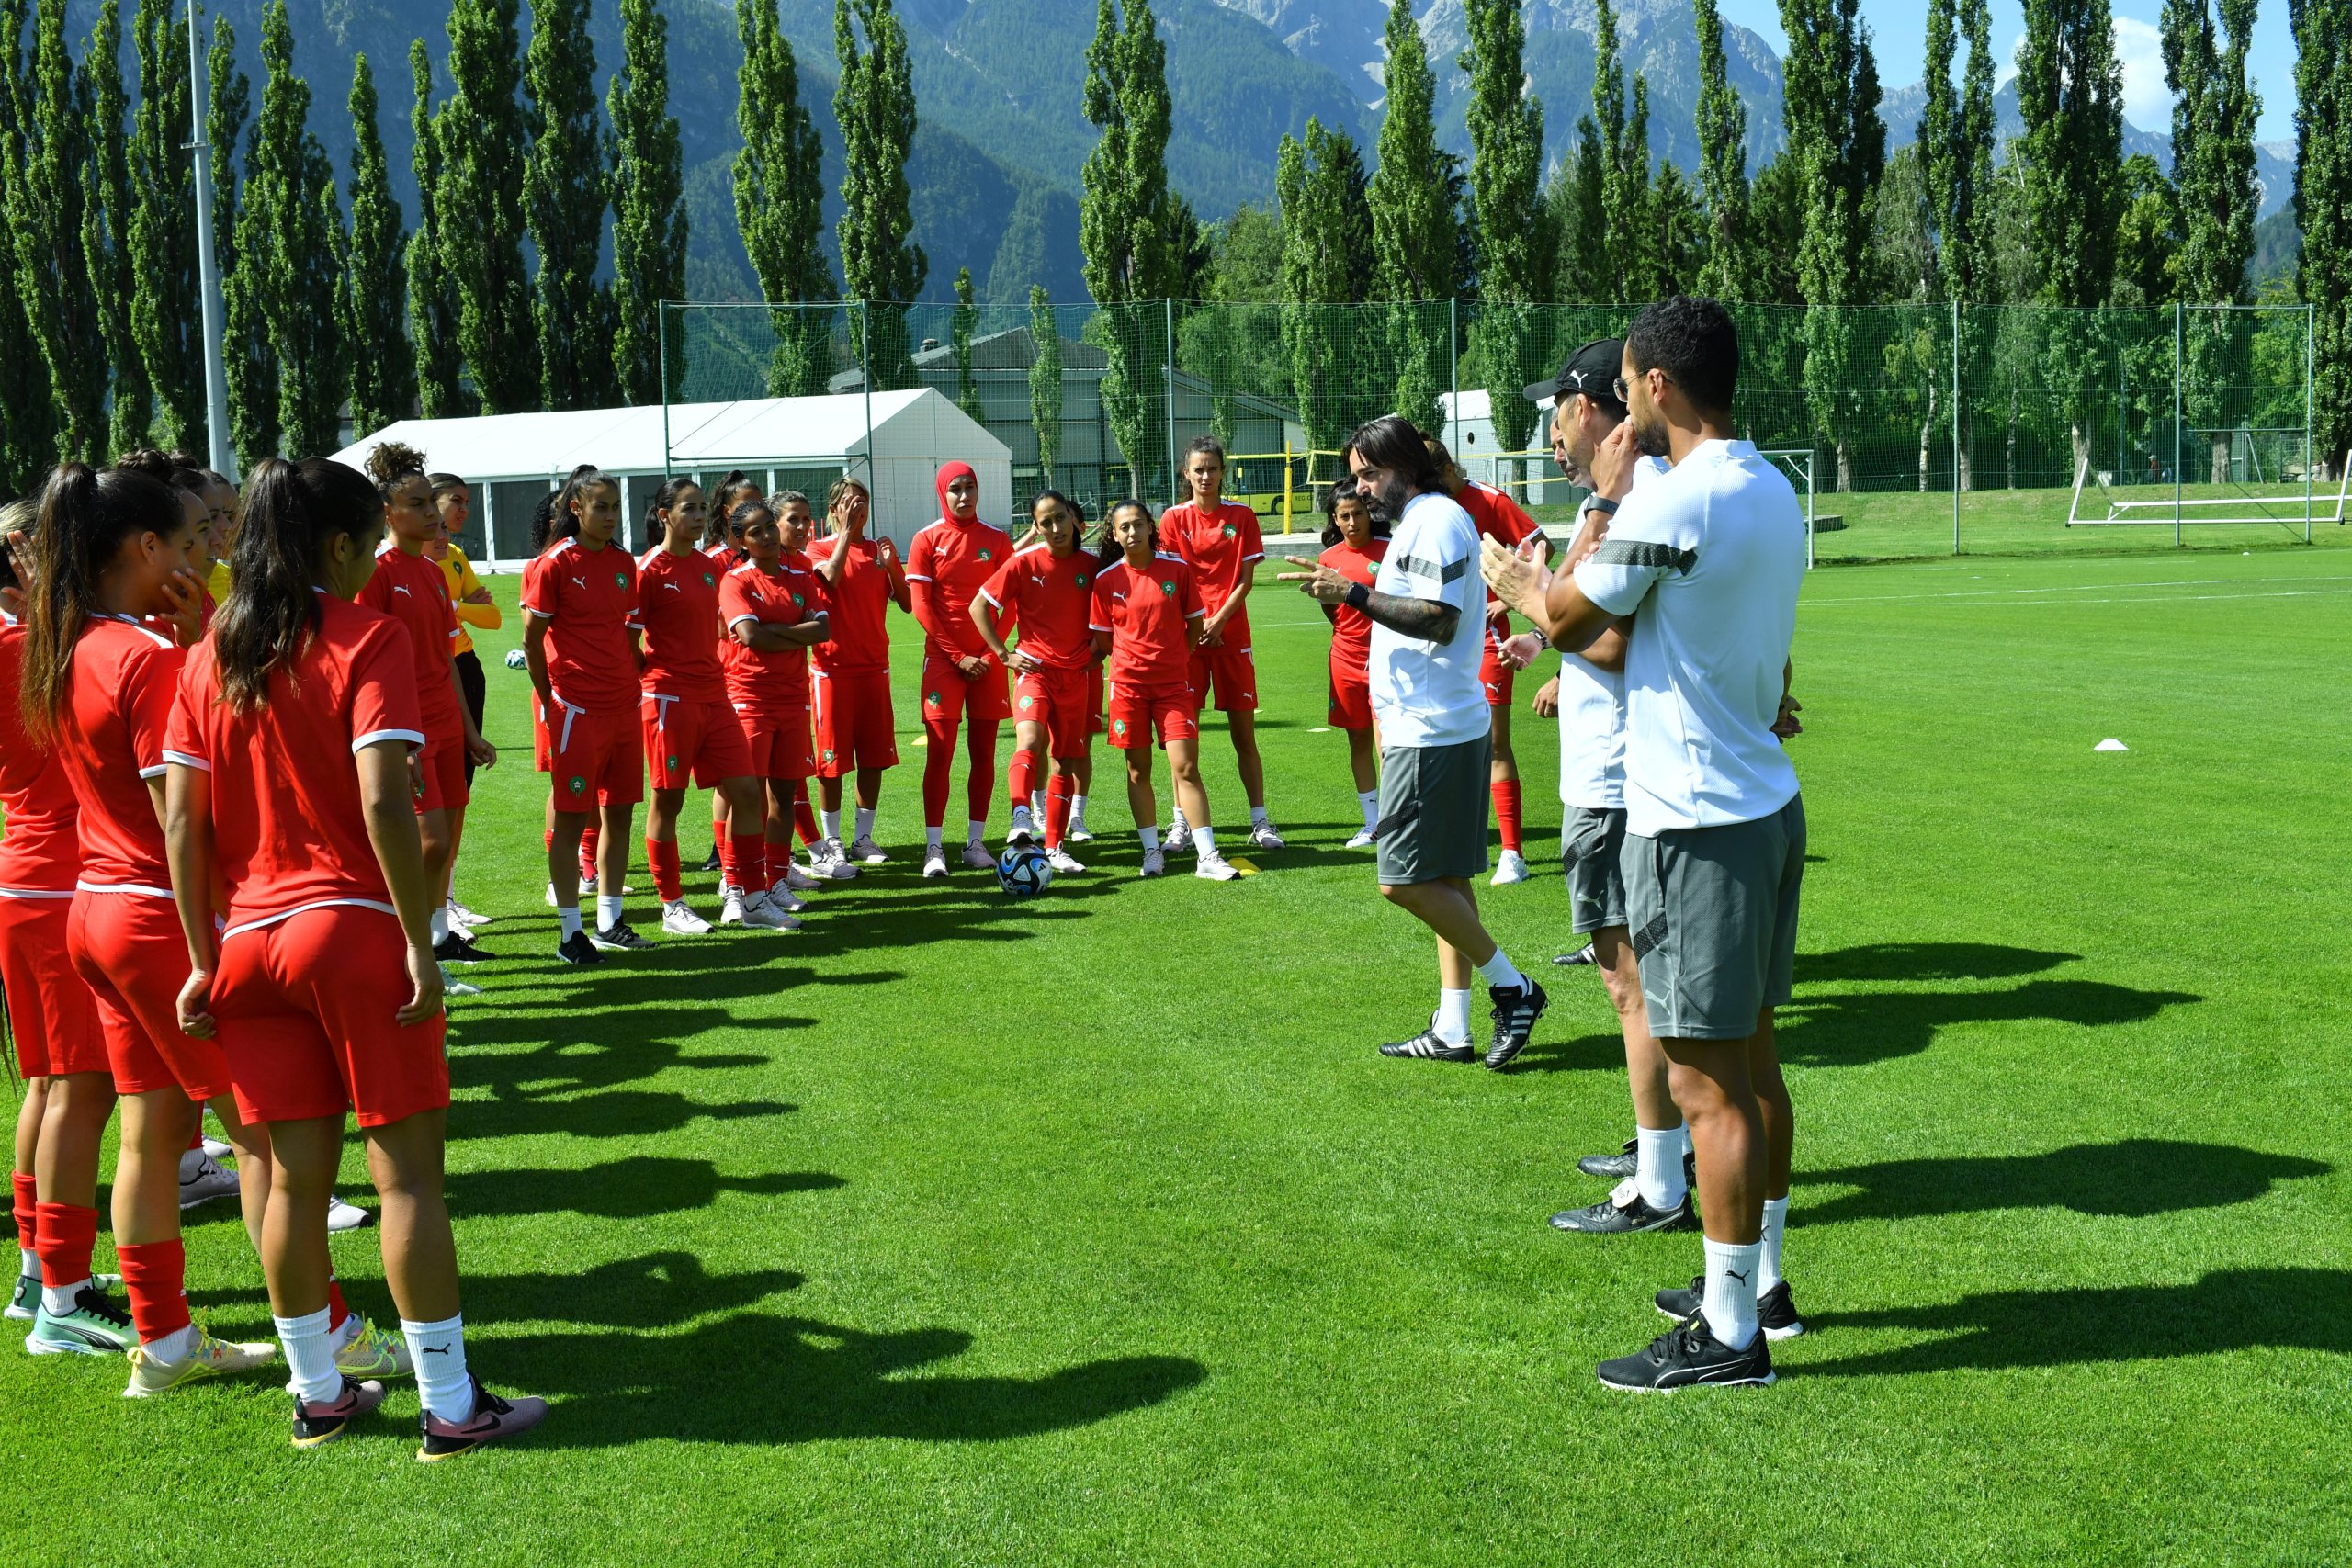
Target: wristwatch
point(1600, 503)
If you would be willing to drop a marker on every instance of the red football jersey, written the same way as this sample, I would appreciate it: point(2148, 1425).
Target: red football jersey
point(775, 681)
point(1051, 601)
point(1352, 632)
point(1497, 517)
point(289, 830)
point(860, 602)
point(677, 611)
point(415, 593)
point(118, 703)
point(1149, 616)
point(586, 596)
point(957, 559)
point(1220, 547)
point(41, 852)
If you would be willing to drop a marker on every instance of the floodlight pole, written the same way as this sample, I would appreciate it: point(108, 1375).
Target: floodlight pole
point(2307, 428)
point(216, 375)
point(2176, 320)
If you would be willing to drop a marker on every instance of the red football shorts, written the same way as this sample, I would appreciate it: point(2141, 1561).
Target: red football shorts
point(948, 698)
point(594, 758)
point(1350, 705)
point(1172, 712)
point(306, 1006)
point(1097, 721)
point(129, 949)
point(444, 767)
point(540, 742)
point(50, 1008)
point(1225, 678)
point(685, 737)
point(779, 743)
point(1494, 675)
point(1062, 700)
point(855, 725)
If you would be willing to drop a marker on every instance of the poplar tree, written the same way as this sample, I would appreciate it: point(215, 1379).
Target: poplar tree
point(2213, 113)
point(1830, 110)
point(166, 307)
point(28, 433)
point(649, 205)
point(46, 154)
point(1722, 122)
point(1506, 163)
point(250, 374)
point(2070, 92)
point(288, 265)
point(372, 293)
point(779, 200)
point(1413, 238)
point(432, 311)
point(1626, 267)
point(105, 228)
point(1124, 214)
point(959, 341)
point(1955, 142)
point(874, 104)
point(1578, 220)
point(2324, 212)
point(1045, 381)
point(479, 136)
point(1327, 266)
point(563, 206)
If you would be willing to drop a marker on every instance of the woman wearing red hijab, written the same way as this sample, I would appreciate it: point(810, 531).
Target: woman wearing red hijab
point(947, 565)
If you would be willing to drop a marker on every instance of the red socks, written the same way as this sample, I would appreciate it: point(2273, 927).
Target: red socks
point(337, 1311)
point(938, 761)
point(1057, 797)
point(719, 838)
point(747, 862)
point(66, 1233)
point(804, 817)
point(22, 1201)
point(1505, 794)
point(663, 859)
point(589, 838)
point(1020, 778)
point(154, 1276)
point(979, 785)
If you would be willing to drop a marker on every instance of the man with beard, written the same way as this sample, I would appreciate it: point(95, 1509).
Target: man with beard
point(1429, 630)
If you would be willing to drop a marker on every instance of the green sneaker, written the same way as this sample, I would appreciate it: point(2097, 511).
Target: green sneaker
point(372, 1353)
point(95, 1326)
point(23, 1302)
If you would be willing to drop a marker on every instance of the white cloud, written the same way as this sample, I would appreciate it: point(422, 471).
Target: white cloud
point(2139, 49)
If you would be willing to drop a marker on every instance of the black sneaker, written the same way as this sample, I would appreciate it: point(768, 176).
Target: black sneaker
point(713, 864)
point(1516, 1012)
point(578, 949)
point(1582, 955)
point(1427, 1047)
point(455, 948)
point(1686, 1356)
point(1614, 1167)
point(325, 1421)
point(1775, 1312)
point(1610, 1218)
point(494, 1420)
point(619, 939)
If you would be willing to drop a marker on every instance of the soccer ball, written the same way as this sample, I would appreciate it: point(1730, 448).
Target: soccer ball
point(516, 659)
point(1023, 871)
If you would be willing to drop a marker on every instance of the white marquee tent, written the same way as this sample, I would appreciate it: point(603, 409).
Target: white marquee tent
point(893, 441)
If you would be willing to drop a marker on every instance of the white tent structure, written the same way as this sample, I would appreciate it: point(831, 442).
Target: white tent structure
point(893, 441)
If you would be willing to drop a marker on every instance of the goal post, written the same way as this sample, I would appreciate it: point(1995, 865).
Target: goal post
point(2267, 479)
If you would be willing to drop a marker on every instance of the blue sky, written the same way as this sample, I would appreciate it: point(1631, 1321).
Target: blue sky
point(1899, 28)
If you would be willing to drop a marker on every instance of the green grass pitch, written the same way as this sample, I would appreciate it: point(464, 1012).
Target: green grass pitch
point(952, 1229)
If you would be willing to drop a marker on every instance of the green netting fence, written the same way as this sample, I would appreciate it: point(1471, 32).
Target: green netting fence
point(1923, 429)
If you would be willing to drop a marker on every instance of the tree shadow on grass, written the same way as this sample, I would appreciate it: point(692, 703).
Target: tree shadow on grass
point(2305, 1309)
point(1849, 1030)
point(818, 1381)
point(627, 1047)
point(636, 1189)
point(2131, 1180)
point(653, 1291)
point(614, 1113)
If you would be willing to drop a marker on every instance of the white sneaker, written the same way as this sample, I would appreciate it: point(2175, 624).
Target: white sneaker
point(867, 850)
point(343, 1216)
point(1362, 841)
point(208, 1357)
point(1155, 863)
point(976, 856)
point(935, 862)
point(588, 885)
point(465, 916)
point(782, 897)
point(763, 913)
point(551, 903)
point(203, 1180)
point(730, 905)
point(217, 1148)
point(1511, 868)
point(1215, 867)
point(1178, 836)
point(453, 987)
point(1061, 861)
point(1076, 832)
point(1262, 834)
point(680, 920)
point(1036, 805)
point(798, 880)
point(1024, 826)
point(828, 860)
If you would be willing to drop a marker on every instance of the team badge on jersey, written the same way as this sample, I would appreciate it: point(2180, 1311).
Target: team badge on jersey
point(671, 764)
point(579, 785)
point(827, 756)
point(709, 581)
point(984, 553)
point(1028, 702)
point(931, 699)
point(1169, 589)
point(1118, 726)
point(1083, 579)
point(620, 580)
point(798, 603)
point(1228, 531)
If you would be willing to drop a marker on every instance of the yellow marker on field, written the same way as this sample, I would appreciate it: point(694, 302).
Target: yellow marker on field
point(1245, 868)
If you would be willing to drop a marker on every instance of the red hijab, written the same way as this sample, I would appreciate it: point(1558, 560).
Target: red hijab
point(948, 474)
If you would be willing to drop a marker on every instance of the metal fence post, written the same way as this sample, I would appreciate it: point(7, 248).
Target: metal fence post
point(661, 330)
point(1167, 362)
point(1955, 427)
point(1453, 371)
point(2307, 425)
point(865, 379)
point(2176, 329)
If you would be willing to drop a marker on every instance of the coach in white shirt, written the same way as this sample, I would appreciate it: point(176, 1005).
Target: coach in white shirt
point(1429, 625)
point(1707, 559)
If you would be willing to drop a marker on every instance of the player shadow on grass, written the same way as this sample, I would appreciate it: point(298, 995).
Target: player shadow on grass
point(2303, 1310)
point(609, 1113)
point(818, 1380)
point(639, 1187)
point(2135, 1179)
point(655, 1290)
point(1929, 961)
point(625, 1048)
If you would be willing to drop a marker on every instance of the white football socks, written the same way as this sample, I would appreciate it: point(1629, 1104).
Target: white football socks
point(440, 918)
point(1203, 842)
point(176, 1346)
point(28, 1265)
point(1729, 1302)
point(975, 831)
point(1038, 803)
point(934, 839)
point(1500, 973)
point(1150, 838)
point(1257, 817)
point(1368, 802)
point(608, 910)
point(1657, 1170)
point(59, 1301)
point(568, 919)
point(1452, 1023)
point(865, 822)
point(1078, 811)
point(310, 1356)
point(1178, 829)
point(438, 1350)
point(1776, 1220)
point(831, 821)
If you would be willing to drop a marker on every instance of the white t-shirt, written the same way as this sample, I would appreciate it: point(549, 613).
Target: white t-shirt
point(1712, 554)
point(1428, 694)
point(1592, 715)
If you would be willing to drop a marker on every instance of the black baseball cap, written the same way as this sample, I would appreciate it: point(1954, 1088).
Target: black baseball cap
point(1591, 371)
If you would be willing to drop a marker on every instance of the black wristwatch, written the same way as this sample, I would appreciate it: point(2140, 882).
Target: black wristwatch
point(1358, 595)
point(1600, 503)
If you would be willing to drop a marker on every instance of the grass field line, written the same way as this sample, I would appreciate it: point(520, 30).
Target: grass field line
point(1981, 600)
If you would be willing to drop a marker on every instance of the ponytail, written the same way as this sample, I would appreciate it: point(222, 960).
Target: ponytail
point(86, 516)
point(1110, 551)
point(585, 478)
point(293, 513)
point(663, 499)
point(725, 496)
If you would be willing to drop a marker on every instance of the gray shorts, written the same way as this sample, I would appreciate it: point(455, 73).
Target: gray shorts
point(1713, 912)
point(1591, 839)
point(1434, 804)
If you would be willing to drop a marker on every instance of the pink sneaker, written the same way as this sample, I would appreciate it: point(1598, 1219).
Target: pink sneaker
point(493, 1419)
point(325, 1420)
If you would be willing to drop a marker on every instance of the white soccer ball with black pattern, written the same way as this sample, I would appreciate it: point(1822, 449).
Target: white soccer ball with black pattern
point(1023, 871)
